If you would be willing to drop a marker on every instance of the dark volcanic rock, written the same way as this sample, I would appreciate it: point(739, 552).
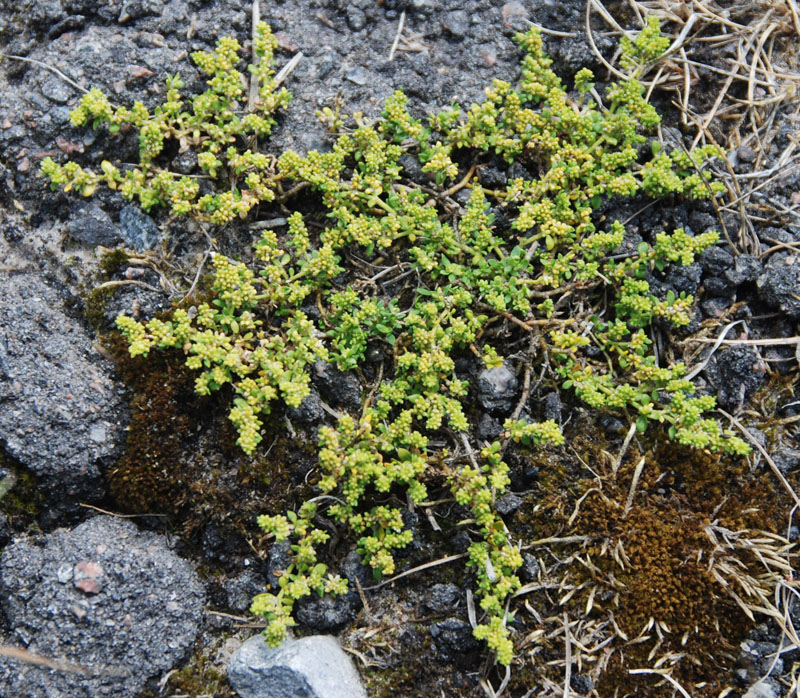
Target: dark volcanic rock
point(778, 285)
point(453, 638)
point(342, 389)
point(736, 373)
point(442, 597)
point(497, 388)
point(61, 415)
point(92, 225)
point(104, 596)
point(139, 230)
point(329, 613)
point(241, 589)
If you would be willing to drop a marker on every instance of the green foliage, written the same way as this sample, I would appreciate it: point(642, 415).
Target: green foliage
point(210, 125)
point(540, 276)
point(303, 576)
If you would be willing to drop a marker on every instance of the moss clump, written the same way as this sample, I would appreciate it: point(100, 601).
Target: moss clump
point(662, 560)
point(200, 676)
point(111, 261)
point(21, 498)
point(151, 475)
point(181, 458)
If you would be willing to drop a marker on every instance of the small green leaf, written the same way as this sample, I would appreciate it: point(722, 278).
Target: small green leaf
point(641, 424)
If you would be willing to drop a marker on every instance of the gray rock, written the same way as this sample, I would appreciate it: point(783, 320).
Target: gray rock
point(492, 177)
point(787, 459)
point(551, 407)
point(56, 90)
point(92, 225)
point(309, 411)
point(456, 23)
point(716, 261)
point(106, 596)
point(715, 307)
point(508, 504)
point(736, 373)
point(313, 667)
point(514, 16)
point(327, 613)
point(56, 393)
point(530, 569)
point(718, 286)
point(279, 559)
point(134, 9)
point(497, 388)
point(341, 389)
point(779, 283)
point(358, 76)
point(684, 279)
point(762, 689)
point(488, 428)
point(138, 229)
point(460, 541)
point(442, 597)
point(241, 589)
point(354, 569)
point(185, 163)
point(356, 19)
point(746, 268)
point(581, 683)
point(423, 6)
point(453, 638)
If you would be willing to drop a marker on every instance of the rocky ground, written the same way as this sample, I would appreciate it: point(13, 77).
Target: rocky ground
point(152, 600)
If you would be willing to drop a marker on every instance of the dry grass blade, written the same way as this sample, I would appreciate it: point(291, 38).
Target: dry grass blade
point(752, 87)
point(636, 474)
point(567, 657)
point(27, 657)
point(414, 570)
point(663, 675)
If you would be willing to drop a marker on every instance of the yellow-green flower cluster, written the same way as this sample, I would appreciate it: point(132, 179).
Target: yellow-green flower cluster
point(303, 576)
point(648, 46)
point(210, 125)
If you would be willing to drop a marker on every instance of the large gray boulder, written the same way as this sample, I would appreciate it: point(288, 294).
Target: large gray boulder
point(112, 606)
point(61, 414)
point(312, 667)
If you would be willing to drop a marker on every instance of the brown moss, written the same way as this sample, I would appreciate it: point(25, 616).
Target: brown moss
point(150, 477)
point(660, 569)
point(181, 457)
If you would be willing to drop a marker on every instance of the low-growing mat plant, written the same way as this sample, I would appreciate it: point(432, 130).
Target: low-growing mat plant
point(558, 272)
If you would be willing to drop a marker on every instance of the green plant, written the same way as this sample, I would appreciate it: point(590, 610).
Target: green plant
point(551, 275)
point(209, 125)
